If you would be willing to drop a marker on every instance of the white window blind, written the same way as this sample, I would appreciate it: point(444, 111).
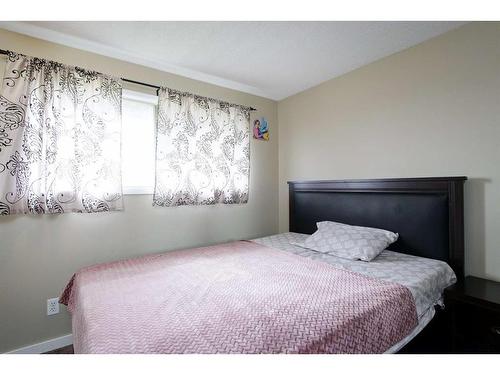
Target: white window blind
point(138, 142)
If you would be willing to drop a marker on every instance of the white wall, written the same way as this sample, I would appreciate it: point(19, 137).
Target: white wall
point(431, 110)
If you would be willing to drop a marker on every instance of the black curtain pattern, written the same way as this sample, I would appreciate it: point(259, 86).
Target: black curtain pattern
point(202, 151)
point(60, 133)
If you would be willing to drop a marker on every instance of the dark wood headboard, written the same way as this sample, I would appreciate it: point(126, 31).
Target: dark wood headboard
point(426, 212)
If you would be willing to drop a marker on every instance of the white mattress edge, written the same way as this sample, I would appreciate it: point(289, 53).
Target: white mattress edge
point(422, 323)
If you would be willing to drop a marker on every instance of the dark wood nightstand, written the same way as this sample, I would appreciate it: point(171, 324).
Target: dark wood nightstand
point(474, 313)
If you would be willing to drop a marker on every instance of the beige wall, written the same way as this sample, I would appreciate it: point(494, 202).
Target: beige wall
point(38, 255)
point(431, 110)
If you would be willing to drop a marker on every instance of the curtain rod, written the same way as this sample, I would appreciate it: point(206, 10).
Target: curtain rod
point(4, 52)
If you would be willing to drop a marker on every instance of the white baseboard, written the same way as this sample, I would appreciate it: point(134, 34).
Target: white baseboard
point(46, 346)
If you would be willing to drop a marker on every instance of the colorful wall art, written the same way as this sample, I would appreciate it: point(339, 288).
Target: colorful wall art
point(261, 129)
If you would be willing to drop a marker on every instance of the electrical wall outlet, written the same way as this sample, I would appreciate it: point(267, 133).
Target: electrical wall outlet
point(53, 306)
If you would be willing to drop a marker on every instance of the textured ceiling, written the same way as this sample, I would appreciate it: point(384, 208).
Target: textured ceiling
point(271, 59)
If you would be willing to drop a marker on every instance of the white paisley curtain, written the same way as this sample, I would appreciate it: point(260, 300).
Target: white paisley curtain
point(60, 129)
point(202, 151)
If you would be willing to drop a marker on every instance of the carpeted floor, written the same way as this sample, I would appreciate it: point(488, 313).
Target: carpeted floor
point(65, 350)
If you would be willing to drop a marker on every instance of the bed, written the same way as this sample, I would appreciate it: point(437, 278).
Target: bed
point(268, 295)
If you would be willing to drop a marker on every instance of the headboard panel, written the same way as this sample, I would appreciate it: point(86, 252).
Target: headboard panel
point(426, 212)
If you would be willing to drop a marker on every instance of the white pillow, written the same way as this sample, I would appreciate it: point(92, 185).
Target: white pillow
point(349, 241)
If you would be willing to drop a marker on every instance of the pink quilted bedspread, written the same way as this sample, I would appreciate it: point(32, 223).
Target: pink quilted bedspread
point(239, 297)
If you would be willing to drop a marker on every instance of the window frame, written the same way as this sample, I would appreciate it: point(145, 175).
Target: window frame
point(140, 97)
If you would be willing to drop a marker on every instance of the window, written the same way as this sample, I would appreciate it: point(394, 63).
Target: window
point(204, 157)
point(138, 142)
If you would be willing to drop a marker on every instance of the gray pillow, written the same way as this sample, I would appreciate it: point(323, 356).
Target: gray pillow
point(349, 241)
